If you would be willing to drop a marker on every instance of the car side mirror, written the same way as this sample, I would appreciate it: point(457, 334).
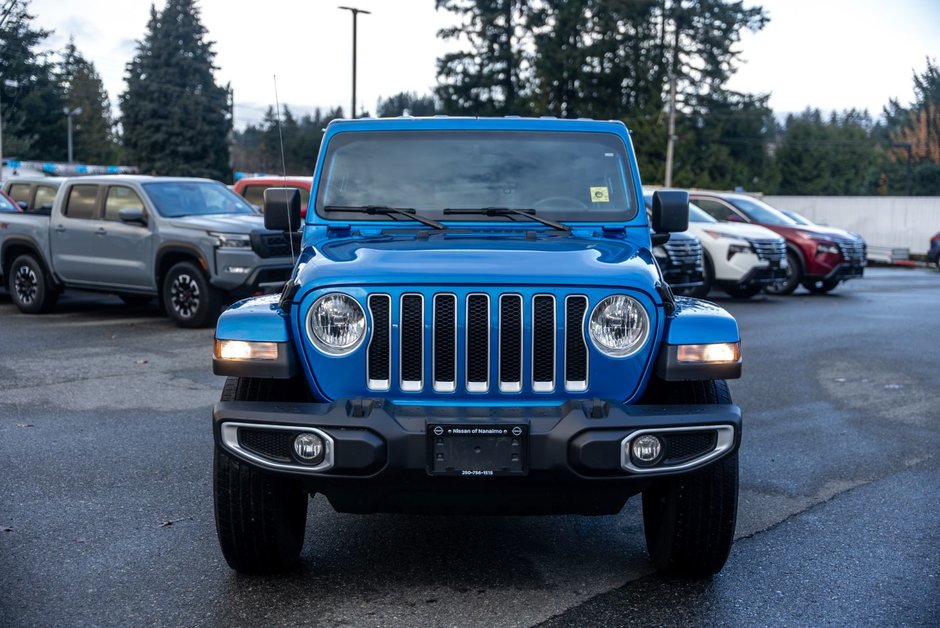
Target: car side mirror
point(22, 205)
point(133, 216)
point(670, 211)
point(282, 209)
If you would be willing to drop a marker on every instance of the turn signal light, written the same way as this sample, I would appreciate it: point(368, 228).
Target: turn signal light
point(716, 353)
point(243, 350)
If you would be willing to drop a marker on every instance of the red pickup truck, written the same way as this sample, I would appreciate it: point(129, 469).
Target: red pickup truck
point(252, 188)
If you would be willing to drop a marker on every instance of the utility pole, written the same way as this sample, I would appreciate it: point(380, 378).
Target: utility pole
point(68, 114)
point(672, 130)
point(355, 14)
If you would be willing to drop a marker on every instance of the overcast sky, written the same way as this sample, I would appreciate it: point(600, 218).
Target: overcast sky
point(830, 54)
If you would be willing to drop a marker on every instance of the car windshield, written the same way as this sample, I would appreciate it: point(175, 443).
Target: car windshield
point(6, 205)
point(560, 175)
point(761, 212)
point(797, 218)
point(696, 214)
point(195, 198)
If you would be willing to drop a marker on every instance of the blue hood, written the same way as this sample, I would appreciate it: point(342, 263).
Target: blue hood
point(477, 258)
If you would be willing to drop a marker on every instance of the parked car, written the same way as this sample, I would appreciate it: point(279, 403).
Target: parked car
point(7, 204)
point(818, 257)
point(680, 260)
point(799, 219)
point(934, 253)
point(252, 188)
point(33, 194)
point(189, 242)
point(740, 259)
point(476, 324)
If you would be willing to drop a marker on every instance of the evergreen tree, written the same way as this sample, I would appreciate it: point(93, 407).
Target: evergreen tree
point(492, 77)
point(176, 120)
point(94, 139)
point(916, 127)
point(409, 102)
point(31, 100)
point(258, 148)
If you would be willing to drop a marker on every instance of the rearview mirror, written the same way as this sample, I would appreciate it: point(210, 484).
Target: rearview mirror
point(282, 209)
point(670, 211)
point(133, 216)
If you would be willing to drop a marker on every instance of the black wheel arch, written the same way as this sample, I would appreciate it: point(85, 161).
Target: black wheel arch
point(14, 246)
point(168, 255)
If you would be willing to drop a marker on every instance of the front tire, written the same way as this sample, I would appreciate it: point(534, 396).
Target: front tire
point(260, 517)
point(30, 286)
point(794, 276)
point(190, 300)
point(820, 286)
point(689, 520)
point(742, 292)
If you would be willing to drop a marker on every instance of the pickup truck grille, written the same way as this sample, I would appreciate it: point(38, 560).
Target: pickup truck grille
point(853, 250)
point(270, 244)
point(477, 343)
point(772, 250)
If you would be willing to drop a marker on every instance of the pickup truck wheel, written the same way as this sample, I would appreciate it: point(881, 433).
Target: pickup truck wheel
point(30, 286)
point(189, 298)
point(794, 276)
point(689, 519)
point(260, 517)
point(820, 286)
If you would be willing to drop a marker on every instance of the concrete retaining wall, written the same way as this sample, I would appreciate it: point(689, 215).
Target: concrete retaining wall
point(884, 221)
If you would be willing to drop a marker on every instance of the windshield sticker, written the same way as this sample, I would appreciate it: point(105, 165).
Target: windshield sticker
point(600, 195)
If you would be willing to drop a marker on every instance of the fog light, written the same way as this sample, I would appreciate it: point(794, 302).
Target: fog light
point(309, 448)
point(238, 270)
point(646, 449)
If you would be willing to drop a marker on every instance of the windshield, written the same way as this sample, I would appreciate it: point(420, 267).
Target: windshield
point(696, 214)
point(6, 205)
point(761, 212)
point(561, 175)
point(195, 198)
point(797, 218)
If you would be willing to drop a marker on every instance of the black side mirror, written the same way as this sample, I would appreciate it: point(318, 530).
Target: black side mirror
point(22, 205)
point(282, 209)
point(670, 211)
point(133, 216)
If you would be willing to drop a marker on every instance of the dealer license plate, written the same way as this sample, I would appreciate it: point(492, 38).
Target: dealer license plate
point(477, 450)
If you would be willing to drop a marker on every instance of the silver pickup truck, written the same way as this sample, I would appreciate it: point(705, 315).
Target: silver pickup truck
point(192, 243)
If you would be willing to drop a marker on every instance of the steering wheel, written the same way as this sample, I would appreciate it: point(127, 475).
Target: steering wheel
point(564, 200)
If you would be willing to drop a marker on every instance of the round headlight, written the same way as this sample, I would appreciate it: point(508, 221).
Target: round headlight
point(619, 326)
point(336, 323)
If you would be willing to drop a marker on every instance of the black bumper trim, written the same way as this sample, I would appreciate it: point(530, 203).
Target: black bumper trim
point(401, 444)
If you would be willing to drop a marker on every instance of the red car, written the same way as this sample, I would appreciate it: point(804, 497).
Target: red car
point(252, 188)
point(818, 257)
point(7, 204)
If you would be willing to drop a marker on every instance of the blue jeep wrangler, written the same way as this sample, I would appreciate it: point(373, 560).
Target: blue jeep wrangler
point(476, 324)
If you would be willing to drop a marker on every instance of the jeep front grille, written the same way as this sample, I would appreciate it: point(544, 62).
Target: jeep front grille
point(478, 343)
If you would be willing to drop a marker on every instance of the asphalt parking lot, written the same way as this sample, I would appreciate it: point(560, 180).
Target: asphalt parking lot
point(106, 504)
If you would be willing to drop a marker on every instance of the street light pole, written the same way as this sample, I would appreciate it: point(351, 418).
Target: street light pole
point(68, 114)
point(355, 14)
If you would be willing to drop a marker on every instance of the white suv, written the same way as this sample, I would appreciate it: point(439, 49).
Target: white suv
point(740, 259)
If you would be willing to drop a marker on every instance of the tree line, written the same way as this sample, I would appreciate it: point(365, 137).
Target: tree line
point(603, 59)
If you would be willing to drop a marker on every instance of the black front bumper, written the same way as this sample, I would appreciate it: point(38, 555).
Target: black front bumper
point(847, 270)
point(758, 276)
point(380, 458)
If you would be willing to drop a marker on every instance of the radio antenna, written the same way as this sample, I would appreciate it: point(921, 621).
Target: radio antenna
point(280, 136)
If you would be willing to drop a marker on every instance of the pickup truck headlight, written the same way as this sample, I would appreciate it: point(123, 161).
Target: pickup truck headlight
point(619, 326)
point(336, 324)
point(231, 240)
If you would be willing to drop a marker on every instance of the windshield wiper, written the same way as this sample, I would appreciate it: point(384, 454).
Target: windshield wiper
point(372, 210)
point(509, 211)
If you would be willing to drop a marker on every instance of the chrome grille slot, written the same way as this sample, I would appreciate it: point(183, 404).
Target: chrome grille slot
point(478, 342)
point(852, 250)
point(576, 351)
point(543, 343)
point(378, 362)
point(770, 250)
point(510, 343)
point(444, 337)
point(411, 351)
point(685, 254)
